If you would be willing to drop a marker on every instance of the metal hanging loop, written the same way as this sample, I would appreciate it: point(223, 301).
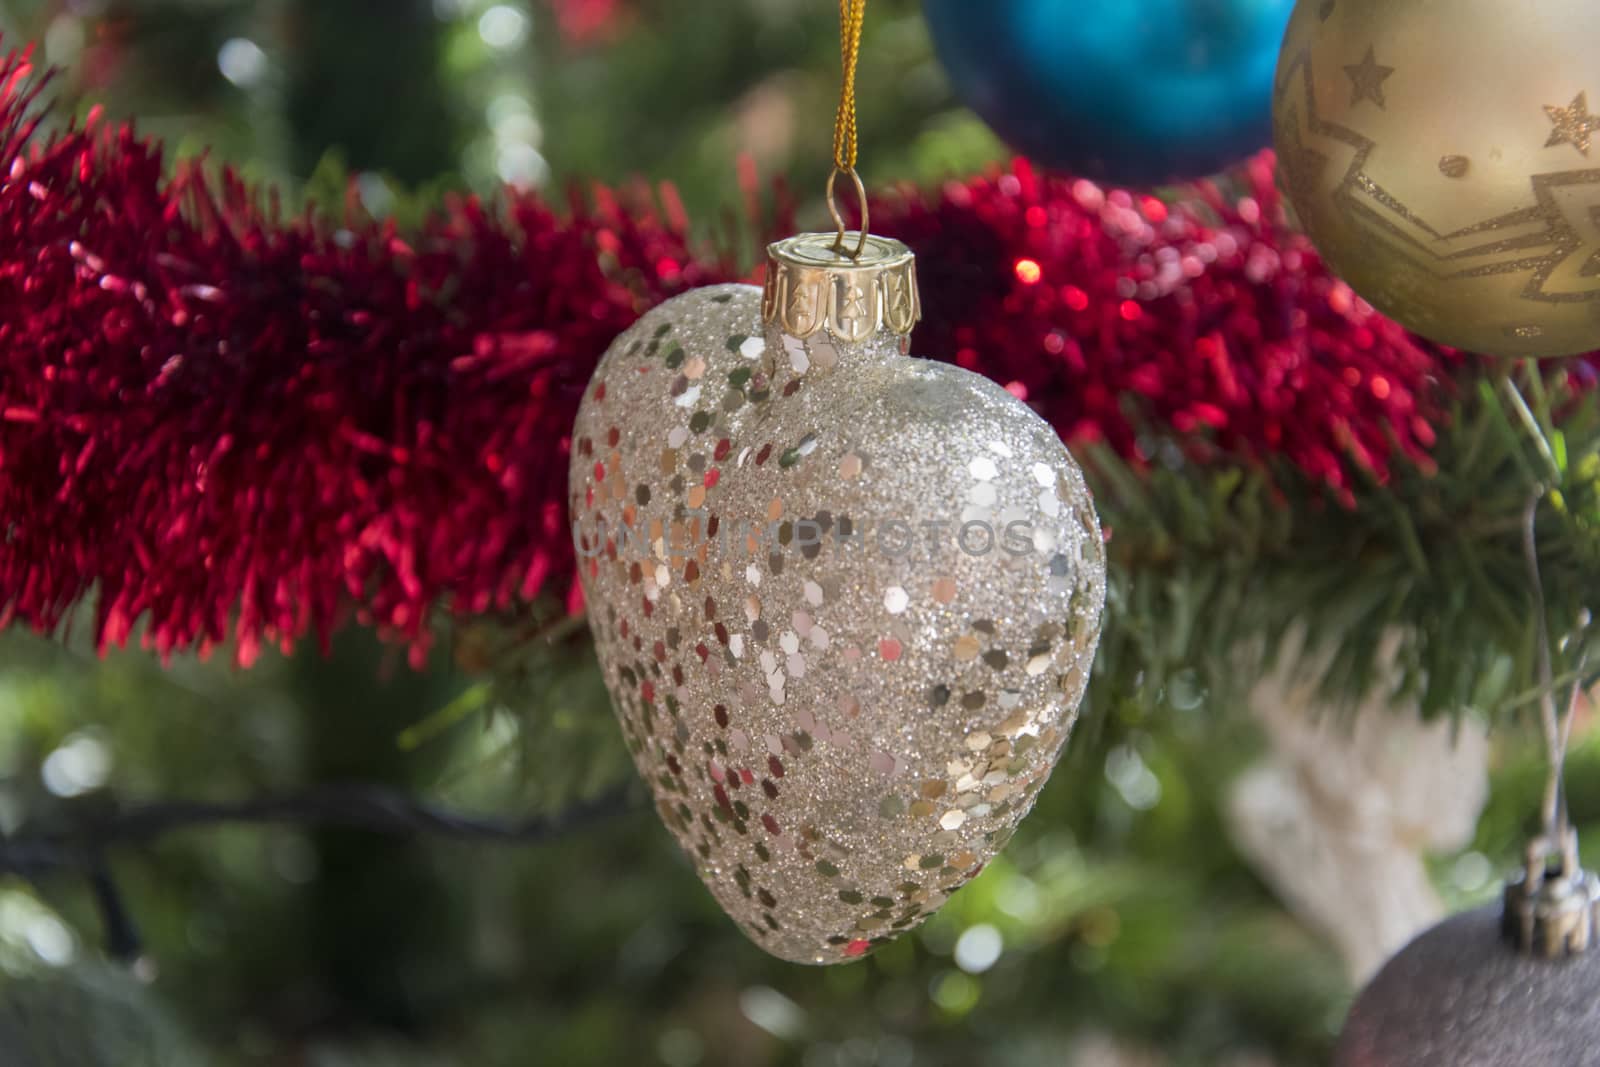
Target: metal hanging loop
point(838, 216)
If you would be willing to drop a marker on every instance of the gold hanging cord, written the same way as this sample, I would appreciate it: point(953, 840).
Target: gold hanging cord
point(846, 141)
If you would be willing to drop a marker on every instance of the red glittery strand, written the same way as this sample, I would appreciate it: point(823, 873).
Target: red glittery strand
point(584, 23)
point(224, 421)
point(1120, 316)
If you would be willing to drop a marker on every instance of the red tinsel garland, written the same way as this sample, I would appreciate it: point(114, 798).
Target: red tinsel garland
point(1113, 312)
point(225, 421)
point(587, 22)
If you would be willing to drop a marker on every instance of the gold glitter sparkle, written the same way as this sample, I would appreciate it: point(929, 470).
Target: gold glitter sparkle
point(840, 726)
point(1573, 124)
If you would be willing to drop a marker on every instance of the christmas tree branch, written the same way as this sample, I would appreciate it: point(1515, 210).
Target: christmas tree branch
point(122, 934)
point(1531, 424)
point(356, 807)
point(373, 809)
point(1555, 736)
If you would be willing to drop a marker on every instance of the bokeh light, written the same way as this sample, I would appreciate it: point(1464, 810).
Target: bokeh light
point(242, 62)
point(80, 765)
point(503, 27)
point(979, 948)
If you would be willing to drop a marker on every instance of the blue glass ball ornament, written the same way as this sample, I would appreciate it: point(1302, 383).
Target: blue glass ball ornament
point(1130, 92)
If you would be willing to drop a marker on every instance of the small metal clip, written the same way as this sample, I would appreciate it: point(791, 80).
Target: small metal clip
point(1552, 906)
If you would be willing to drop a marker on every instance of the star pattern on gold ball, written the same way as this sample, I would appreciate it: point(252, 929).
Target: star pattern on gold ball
point(1367, 78)
point(1480, 237)
point(1549, 239)
point(1574, 125)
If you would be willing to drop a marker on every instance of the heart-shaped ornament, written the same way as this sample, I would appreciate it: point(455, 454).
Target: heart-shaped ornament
point(846, 602)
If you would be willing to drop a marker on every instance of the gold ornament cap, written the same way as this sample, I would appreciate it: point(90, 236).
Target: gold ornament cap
point(1552, 910)
point(851, 285)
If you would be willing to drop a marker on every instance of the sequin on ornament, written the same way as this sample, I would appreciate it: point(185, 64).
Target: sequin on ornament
point(863, 691)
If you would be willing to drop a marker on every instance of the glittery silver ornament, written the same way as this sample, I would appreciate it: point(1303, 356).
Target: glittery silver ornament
point(846, 602)
point(1461, 995)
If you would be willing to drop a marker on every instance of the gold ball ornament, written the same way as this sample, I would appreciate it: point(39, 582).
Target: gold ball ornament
point(846, 602)
point(1444, 157)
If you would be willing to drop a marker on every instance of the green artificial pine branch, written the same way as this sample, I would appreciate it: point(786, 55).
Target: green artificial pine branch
point(1211, 564)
